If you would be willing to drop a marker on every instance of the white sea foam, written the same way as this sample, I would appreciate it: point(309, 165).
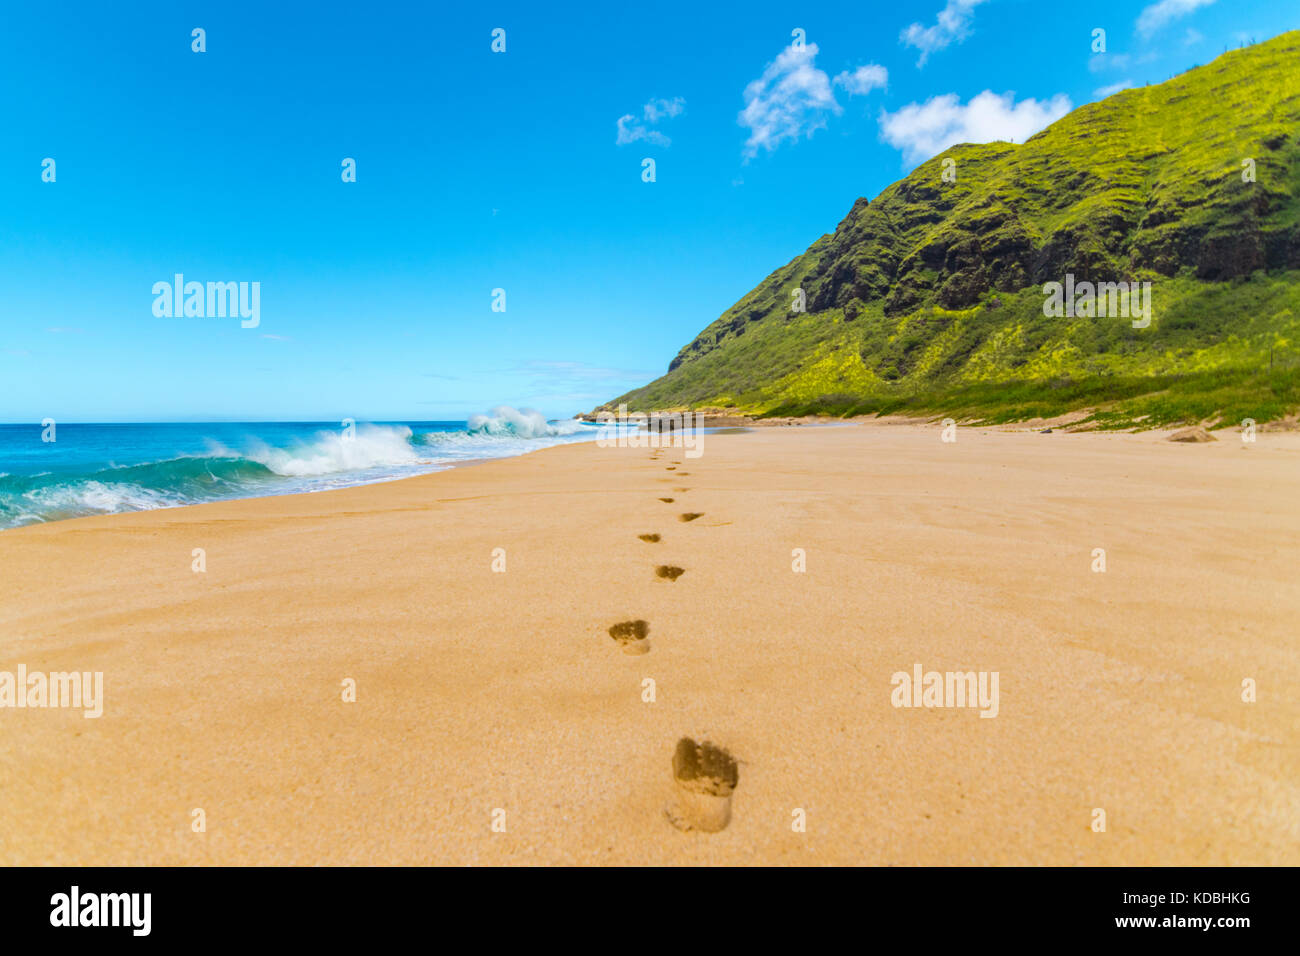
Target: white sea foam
point(521, 423)
point(327, 459)
point(99, 497)
point(372, 446)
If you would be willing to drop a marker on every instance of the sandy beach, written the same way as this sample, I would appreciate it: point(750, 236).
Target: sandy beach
point(487, 696)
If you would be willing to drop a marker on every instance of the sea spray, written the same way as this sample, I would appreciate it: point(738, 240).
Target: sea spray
point(106, 469)
point(520, 423)
point(330, 452)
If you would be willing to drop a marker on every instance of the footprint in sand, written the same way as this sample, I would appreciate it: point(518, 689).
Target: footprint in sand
point(669, 572)
point(705, 776)
point(672, 467)
point(652, 538)
point(688, 516)
point(631, 636)
point(666, 501)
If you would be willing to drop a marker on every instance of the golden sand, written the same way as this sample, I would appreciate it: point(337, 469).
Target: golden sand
point(506, 698)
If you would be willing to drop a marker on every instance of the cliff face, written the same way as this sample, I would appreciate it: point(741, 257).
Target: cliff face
point(937, 282)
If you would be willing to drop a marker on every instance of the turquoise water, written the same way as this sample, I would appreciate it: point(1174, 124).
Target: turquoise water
point(101, 469)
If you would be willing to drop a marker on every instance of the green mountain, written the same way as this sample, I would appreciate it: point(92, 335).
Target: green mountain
point(930, 297)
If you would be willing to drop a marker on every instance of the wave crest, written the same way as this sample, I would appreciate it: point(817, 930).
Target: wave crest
point(504, 421)
point(328, 452)
point(251, 466)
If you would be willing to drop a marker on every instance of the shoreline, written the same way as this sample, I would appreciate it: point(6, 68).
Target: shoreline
point(478, 690)
point(281, 484)
point(715, 425)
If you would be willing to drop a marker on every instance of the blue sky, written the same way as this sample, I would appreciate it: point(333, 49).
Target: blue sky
point(476, 171)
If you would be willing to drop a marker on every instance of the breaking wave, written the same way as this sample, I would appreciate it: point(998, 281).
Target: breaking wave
point(252, 467)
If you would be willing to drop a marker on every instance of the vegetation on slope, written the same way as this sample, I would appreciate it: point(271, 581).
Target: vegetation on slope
point(930, 298)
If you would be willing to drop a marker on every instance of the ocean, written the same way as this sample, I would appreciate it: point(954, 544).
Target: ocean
point(94, 469)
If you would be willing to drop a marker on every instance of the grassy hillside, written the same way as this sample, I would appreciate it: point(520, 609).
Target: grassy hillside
point(929, 298)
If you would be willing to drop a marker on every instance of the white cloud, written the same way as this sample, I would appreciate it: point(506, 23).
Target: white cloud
point(863, 80)
point(1154, 17)
point(1192, 37)
point(656, 110)
point(790, 100)
point(1102, 92)
point(630, 132)
point(1108, 61)
point(951, 25)
point(631, 129)
point(922, 130)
